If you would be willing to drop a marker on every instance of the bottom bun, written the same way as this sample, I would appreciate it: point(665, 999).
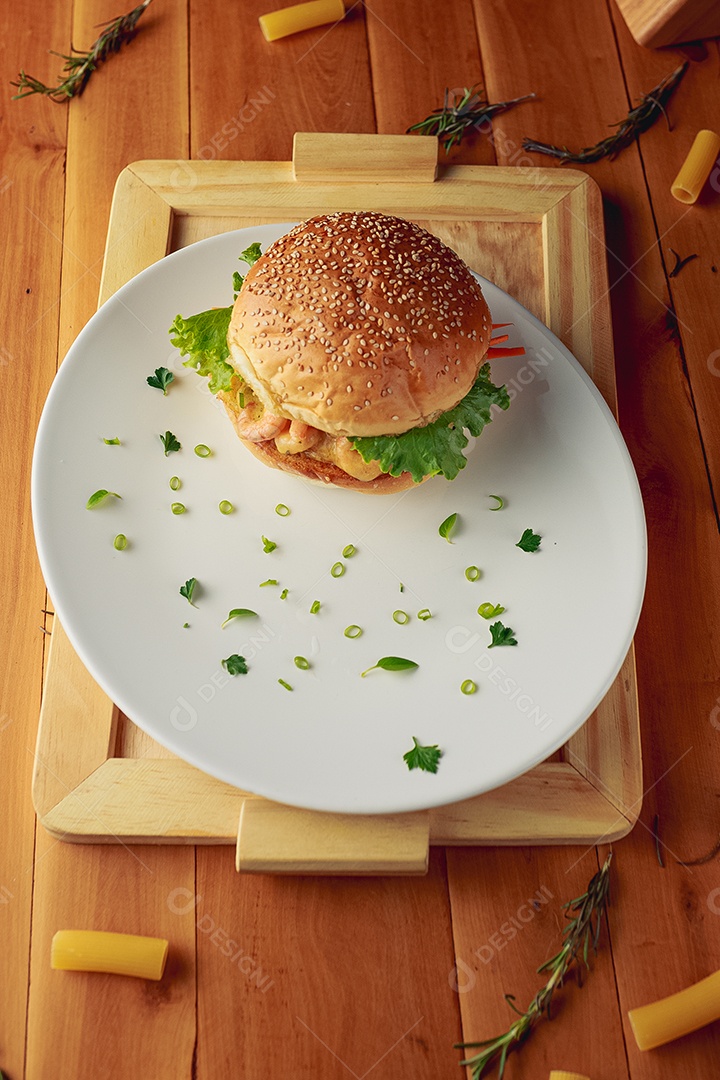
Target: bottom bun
point(326, 472)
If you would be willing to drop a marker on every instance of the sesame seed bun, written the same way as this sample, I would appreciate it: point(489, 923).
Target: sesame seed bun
point(359, 324)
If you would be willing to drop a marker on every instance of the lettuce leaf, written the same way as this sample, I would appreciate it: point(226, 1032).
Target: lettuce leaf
point(203, 339)
point(438, 447)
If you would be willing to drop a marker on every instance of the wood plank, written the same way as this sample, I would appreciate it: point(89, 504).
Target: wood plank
point(32, 150)
point(676, 688)
point(369, 159)
point(348, 976)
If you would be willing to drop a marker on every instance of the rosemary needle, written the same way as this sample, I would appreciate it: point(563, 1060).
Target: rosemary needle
point(582, 931)
point(79, 66)
point(468, 111)
point(638, 120)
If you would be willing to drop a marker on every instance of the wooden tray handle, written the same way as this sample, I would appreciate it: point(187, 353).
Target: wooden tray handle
point(277, 839)
point(331, 158)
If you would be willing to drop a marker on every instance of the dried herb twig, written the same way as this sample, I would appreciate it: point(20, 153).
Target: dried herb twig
point(79, 66)
point(579, 934)
point(638, 120)
point(467, 111)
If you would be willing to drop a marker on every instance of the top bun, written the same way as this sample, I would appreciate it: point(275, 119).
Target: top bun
point(359, 324)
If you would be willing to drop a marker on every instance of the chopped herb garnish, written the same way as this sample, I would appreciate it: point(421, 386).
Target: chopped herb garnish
point(392, 663)
point(270, 581)
point(447, 527)
point(100, 496)
point(161, 379)
point(268, 545)
point(353, 631)
point(500, 502)
point(349, 551)
point(529, 541)
point(402, 587)
point(489, 611)
point(112, 442)
point(501, 635)
point(283, 594)
point(177, 508)
point(225, 507)
point(170, 443)
point(120, 542)
point(235, 665)
point(282, 510)
point(401, 617)
point(468, 687)
point(337, 569)
point(186, 626)
point(175, 483)
point(251, 254)
point(302, 663)
point(314, 607)
point(424, 615)
point(202, 450)
point(187, 590)
point(285, 684)
point(239, 613)
point(472, 573)
point(426, 758)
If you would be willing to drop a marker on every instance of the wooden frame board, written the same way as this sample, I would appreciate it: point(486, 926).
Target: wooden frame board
point(539, 234)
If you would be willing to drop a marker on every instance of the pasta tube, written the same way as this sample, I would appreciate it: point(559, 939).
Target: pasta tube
point(560, 1074)
point(690, 181)
point(291, 20)
point(678, 1014)
point(118, 954)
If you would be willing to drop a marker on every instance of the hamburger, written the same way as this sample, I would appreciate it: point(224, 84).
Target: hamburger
point(354, 353)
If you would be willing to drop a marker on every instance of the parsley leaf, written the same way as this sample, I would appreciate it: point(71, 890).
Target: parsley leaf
point(392, 663)
point(161, 379)
point(239, 613)
point(188, 589)
point(203, 339)
point(169, 442)
point(251, 254)
point(501, 635)
point(235, 665)
point(447, 527)
point(100, 496)
point(423, 757)
point(529, 541)
point(438, 447)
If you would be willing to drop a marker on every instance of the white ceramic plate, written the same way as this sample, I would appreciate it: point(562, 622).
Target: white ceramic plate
point(337, 741)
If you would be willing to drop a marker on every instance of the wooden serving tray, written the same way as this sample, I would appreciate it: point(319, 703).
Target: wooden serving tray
point(538, 233)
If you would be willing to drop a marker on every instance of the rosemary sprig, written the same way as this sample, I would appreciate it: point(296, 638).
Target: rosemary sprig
point(79, 66)
point(467, 111)
point(638, 120)
point(580, 932)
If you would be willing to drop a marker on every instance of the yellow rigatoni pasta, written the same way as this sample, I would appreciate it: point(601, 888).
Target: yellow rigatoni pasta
point(678, 1014)
point(560, 1074)
point(291, 20)
point(690, 181)
point(118, 954)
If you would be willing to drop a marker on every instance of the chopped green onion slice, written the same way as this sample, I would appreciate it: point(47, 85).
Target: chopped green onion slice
point(202, 450)
point(175, 483)
point(112, 442)
point(468, 687)
point(239, 613)
point(270, 581)
point(401, 617)
point(186, 626)
point(225, 507)
point(177, 508)
point(402, 587)
point(472, 573)
point(283, 594)
point(282, 510)
point(353, 631)
point(285, 684)
point(314, 607)
point(302, 663)
point(268, 545)
point(337, 569)
point(500, 502)
point(120, 542)
point(425, 614)
point(348, 551)
point(489, 611)
point(100, 496)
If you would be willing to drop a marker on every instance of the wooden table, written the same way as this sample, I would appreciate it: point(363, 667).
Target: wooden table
point(330, 977)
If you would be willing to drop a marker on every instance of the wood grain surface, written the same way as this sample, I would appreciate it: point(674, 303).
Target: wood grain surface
point(369, 977)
